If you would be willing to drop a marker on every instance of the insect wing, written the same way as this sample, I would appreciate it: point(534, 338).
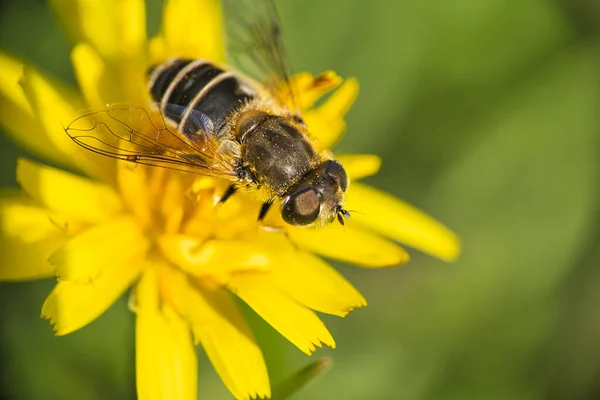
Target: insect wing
point(143, 136)
point(255, 46)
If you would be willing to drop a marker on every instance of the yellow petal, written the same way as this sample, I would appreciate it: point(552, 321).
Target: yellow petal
point(400, 221)
point(56, 107)
point(214, 257)
point(12, 70)
point(308, 88)
point(89, 70)
point(308, 279)
point(218, 325)
point(295, 322)
point(190, 29)
point(133, 186)
point(229, 344)
point(359, 166)
point(20, 218)
point(75, 197)
point(172, 207)
point(313, 283)
point(326, 122)
point(105, 81)
point(157, 50)
point(26, 261)
point(166, 364)
point(72, 305)
point(350, 244)
point(17, 117)
point(83, 257)
point(115, 28)
point(28, 236)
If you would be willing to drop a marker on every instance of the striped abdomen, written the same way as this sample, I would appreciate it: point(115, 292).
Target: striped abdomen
point(196, 94)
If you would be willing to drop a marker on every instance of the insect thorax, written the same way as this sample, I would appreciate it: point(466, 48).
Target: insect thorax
point(273, 147)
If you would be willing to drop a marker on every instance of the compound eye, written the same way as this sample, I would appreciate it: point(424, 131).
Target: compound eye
point(301, 207)
point(338, 173)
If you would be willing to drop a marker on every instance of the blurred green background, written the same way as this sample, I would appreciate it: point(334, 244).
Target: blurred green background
point(487, 116)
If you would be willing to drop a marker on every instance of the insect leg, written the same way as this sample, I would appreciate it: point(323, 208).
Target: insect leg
point(228, 193)
point(264, 209)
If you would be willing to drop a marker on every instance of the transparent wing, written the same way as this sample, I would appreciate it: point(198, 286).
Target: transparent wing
point(143, 136)
point(255, 45)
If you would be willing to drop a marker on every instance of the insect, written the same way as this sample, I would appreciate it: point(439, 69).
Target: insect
point(214, 120)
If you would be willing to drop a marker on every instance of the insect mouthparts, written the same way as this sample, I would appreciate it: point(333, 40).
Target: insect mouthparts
point(341, 214)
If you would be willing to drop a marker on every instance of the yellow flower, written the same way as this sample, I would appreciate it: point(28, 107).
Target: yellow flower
point(117, 225)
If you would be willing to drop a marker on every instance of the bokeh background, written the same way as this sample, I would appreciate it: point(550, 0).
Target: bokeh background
point(487, 116)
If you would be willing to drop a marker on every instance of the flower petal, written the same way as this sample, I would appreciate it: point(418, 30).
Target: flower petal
point(312, 282)
point(115, 28)
point(214, 257)
point(166, 363)
point(16, 115)
point(21, 261)
point(295, 322)
point(72, 305)
point(12, 70)
point(326, 122)
point(104, 81)
point(229, 343)
point(350, 244)
point(308, 279)
point(171, 204)
point(359, 166)
point(20, 218)
point(89, 70)
point(400, 221)
point(75, 197)
point(134, 190)
point(190, 29)
point(79, 259)
point(218, 325)
point(55, 107)
point(308, 89)
point(28, 236)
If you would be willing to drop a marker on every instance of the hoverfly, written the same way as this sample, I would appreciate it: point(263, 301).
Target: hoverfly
point(217, 121)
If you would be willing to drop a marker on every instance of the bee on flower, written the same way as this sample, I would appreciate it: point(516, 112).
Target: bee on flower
point(178, 165)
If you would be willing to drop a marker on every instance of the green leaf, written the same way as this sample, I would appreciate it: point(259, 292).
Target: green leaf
point(290, 386)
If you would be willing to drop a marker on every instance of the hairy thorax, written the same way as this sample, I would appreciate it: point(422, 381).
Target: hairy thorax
point(274, 149)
